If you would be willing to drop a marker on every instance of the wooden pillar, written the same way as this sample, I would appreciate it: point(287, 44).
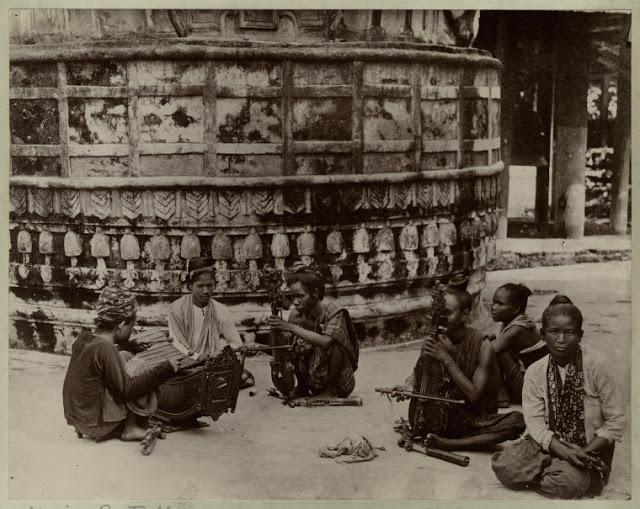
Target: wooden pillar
point(571, 126)
point(542, 194)
point(508, 100)
point(622, 146)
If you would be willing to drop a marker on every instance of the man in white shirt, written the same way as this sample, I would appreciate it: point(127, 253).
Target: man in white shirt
point(203, 325)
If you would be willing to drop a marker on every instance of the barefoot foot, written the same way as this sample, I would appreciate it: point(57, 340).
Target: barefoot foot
point(437, 442)
point(133, 434)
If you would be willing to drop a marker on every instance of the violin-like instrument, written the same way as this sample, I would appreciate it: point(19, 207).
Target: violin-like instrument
point(282, 368)
point(431, 415)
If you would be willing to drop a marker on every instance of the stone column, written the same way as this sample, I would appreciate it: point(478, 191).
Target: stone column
point(571, 125)
point(622, 146)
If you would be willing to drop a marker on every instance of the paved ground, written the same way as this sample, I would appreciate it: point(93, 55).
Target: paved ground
point(518, 253)
point(267, 451)
point(588, 243)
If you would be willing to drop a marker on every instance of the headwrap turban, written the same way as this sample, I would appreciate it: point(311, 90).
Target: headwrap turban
point(115, 305)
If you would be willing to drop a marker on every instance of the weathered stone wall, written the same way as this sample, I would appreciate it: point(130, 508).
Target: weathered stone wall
point(453, 28)
point(377, 162)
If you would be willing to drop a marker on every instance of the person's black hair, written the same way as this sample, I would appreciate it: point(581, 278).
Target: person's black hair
point(560, 299)
point(518, 295)
point(463, 298)
point(194, 275)
point(197, 266)
point(310, 279)
point(562, 310)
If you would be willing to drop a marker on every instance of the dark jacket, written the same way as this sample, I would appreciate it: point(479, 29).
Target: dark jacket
point(96, 367)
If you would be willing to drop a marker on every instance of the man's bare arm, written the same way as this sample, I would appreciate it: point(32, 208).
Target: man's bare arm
point(473, 389)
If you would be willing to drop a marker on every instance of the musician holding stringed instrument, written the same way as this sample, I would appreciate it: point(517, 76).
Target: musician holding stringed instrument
point(325, 346)
point(466, 404)
point(201, 324)
point(106, 393)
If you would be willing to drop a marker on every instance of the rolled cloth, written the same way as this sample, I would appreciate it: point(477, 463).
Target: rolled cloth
point(115, 305)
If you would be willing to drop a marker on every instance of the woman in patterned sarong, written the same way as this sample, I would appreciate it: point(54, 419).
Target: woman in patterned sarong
point(326, 346)
point(573, 414)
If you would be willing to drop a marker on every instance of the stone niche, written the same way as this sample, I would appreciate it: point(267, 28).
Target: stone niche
point(377, 162)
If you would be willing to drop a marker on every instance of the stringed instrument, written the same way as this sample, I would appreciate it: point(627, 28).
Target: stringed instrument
point(431, 415)
point(201, 387)
point(282, 368)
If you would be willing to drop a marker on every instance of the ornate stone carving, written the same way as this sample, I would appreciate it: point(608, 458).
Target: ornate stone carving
point(429, 241)
point(443, 192)
point(25, 246)
point(425, 194)
point(164, 204)
point(378, 197)
point(306, 244)
point(72, 247)
point(280, 249)
point(384, 245)
point(352, 197)
point(465, 230)
point(131, 204)
point(229, 203)
point(196, 206)
point(409, 242)
point(175, 261)
point(403, 195)
point(42, 202)
point(100, 204)
point(254, 252)
point(262, 202)
point(448, 237)
point(239, 253)
point(221, 252)
point(46, 246)
point(190, 246)
point(335, 248)
point(70, 203)
point(130, 253)
point(362, 246)
point(18, 198)
point(159, 250)
point(294, 201)
point(100, 248)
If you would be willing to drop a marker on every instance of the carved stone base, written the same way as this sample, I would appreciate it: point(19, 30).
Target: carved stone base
point(389, 314)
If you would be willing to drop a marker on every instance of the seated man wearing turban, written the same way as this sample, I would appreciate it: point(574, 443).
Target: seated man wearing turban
point(203, 325)
point(107, 394)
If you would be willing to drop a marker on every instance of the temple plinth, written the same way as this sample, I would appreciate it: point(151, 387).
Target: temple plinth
point(377, 161)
